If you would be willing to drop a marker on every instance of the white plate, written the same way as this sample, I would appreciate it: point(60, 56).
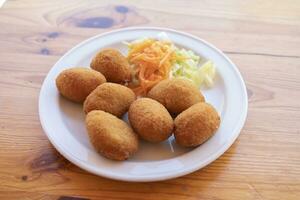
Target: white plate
point(63, 121)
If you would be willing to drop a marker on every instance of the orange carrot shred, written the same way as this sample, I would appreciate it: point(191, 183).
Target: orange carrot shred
point(152, 61)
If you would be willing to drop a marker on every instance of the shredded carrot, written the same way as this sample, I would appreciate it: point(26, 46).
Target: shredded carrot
point(152, 61)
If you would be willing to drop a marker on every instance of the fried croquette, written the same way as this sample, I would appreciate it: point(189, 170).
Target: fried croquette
point(176, 94)
point(77, 83)
point(110, 136)
point(150, 120)
point(113, 65)
point(196, 125)
point(110, 97)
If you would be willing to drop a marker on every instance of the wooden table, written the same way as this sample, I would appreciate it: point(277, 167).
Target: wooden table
point(261, 37)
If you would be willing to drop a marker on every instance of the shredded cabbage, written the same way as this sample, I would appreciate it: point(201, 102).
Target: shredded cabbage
point(188, 67)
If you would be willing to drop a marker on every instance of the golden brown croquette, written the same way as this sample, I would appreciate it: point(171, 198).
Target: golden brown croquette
point(111, 136)
point(77, 83)
point(110, 97)
point(176, 94)
point(113, 65)
point(196, 125)
point(150, 120)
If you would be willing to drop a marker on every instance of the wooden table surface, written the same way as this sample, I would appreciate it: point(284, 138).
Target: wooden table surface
point(261, 37)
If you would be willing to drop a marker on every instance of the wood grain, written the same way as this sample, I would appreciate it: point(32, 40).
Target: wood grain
point(261, 37)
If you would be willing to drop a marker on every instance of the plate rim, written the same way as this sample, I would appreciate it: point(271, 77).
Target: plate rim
point(211, 158)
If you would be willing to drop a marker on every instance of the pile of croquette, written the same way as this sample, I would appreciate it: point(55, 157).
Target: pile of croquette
point(172, 106)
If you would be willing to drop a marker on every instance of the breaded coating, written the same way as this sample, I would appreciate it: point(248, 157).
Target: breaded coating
point(77, 83)
point(196, 125)
point(150, 120)
point(110, 97)
point(113, 65)
point(110, 136)
point(176, 94)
